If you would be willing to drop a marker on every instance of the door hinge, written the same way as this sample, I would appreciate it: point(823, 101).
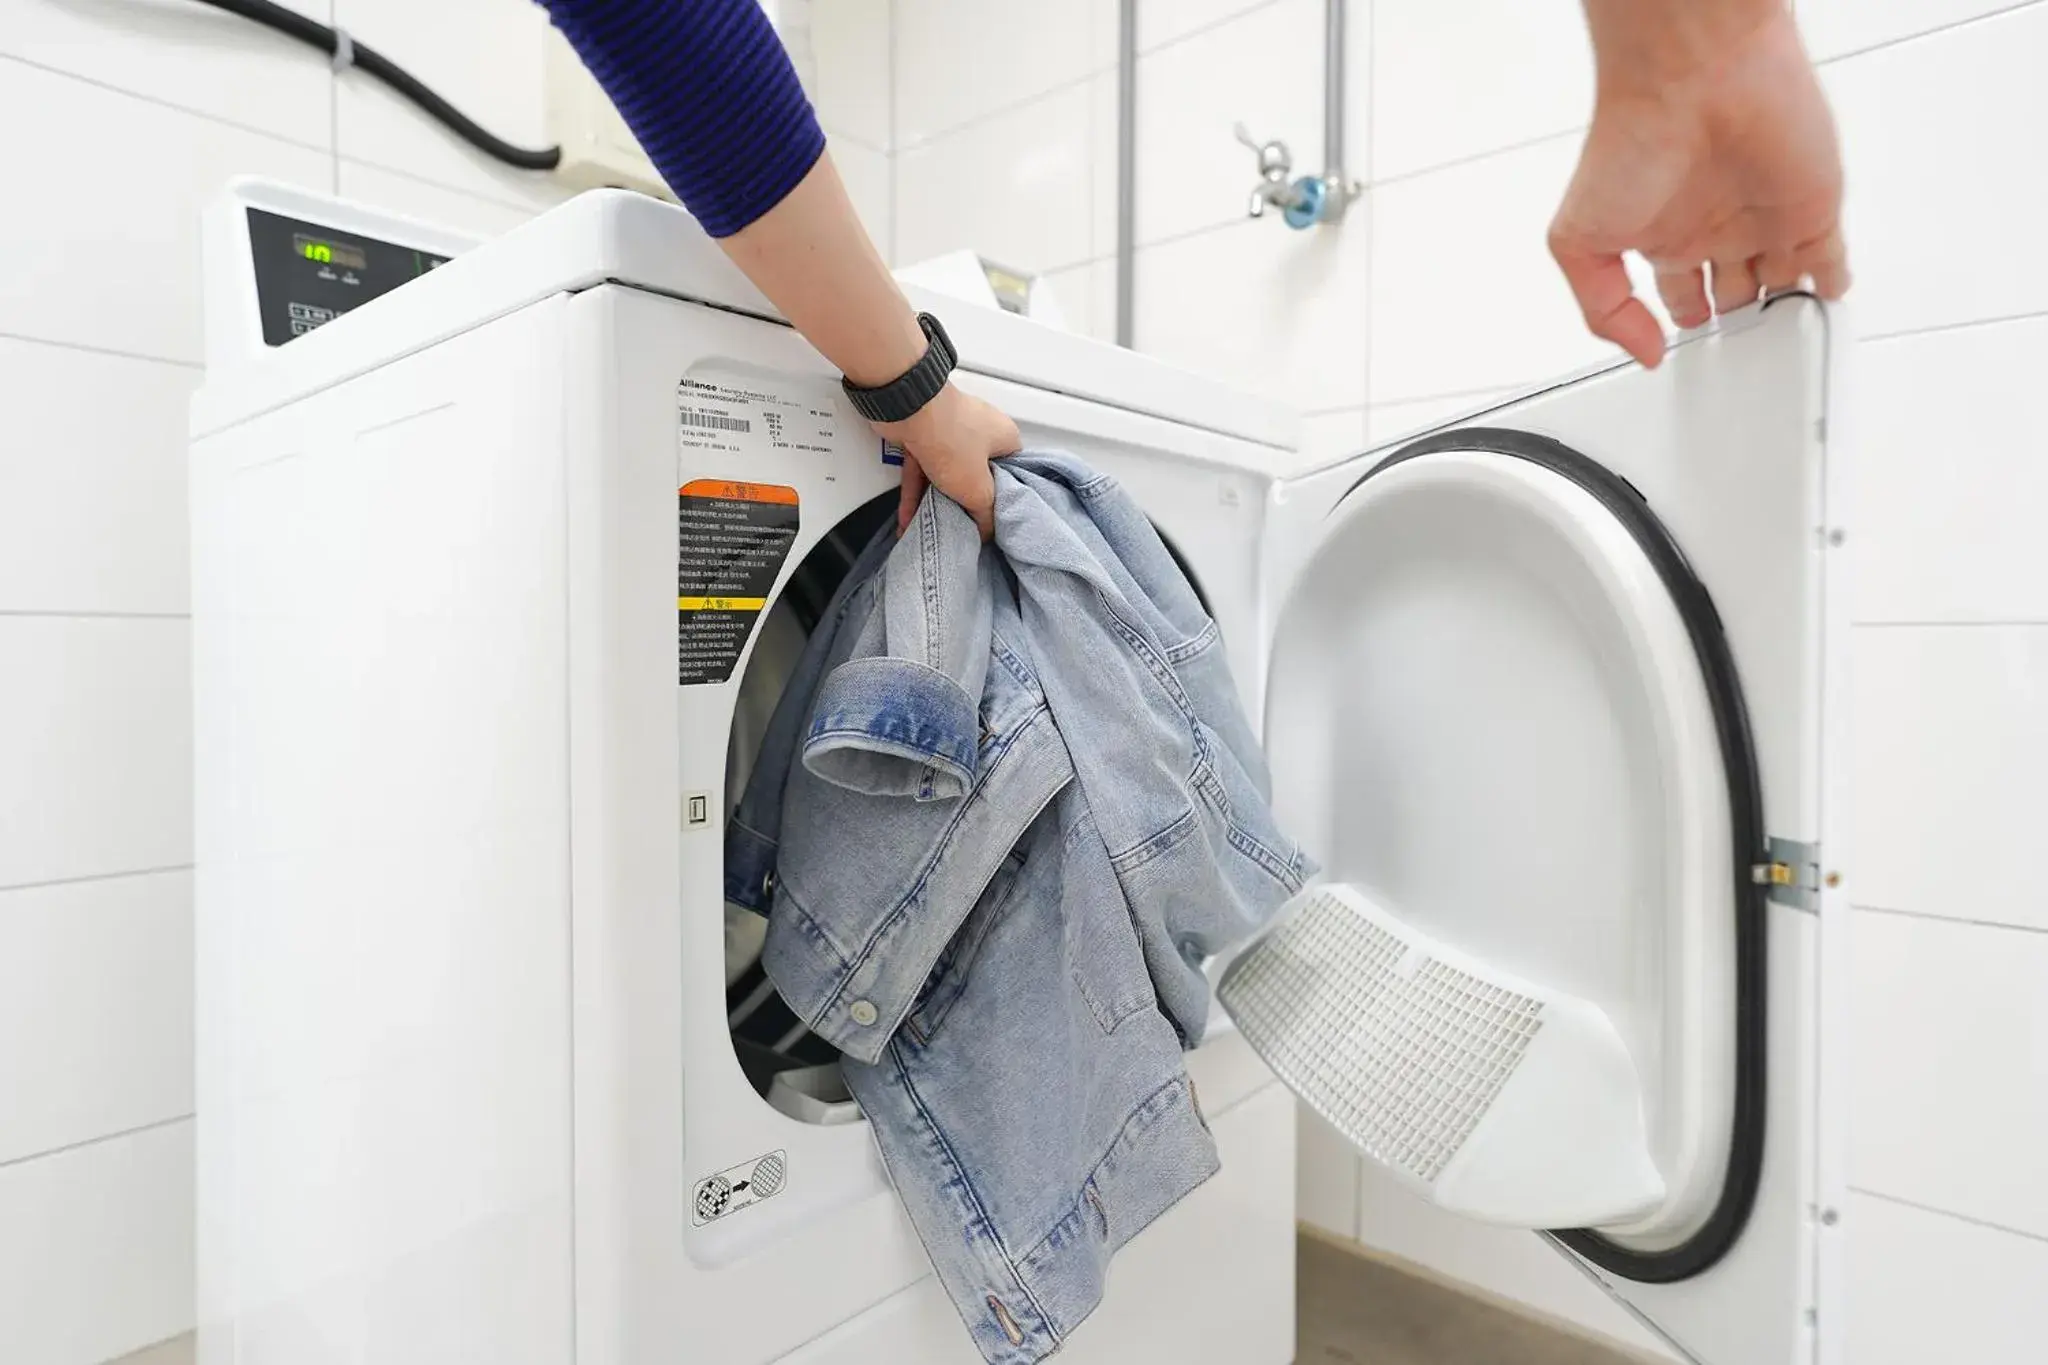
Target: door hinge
point(1792, 873)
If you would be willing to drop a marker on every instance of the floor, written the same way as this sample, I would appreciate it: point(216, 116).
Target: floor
point(1353, 1311)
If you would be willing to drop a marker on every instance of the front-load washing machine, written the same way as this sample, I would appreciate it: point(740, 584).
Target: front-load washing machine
point(486, 1070)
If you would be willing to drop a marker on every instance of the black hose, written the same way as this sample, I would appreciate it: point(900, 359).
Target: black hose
point(318, 35)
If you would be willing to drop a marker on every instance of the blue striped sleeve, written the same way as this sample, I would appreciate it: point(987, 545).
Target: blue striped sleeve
point(708, 90)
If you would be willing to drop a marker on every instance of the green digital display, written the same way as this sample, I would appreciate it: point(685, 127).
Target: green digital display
point(324, 252)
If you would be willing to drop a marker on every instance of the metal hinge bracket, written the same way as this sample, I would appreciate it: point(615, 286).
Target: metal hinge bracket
point(1792, 873)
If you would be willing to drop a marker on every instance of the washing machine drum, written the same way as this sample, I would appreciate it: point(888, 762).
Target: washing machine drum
point(1502, 714)
point(766, 1033)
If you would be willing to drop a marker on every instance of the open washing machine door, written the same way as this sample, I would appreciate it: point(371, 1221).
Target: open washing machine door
point(1550, 695)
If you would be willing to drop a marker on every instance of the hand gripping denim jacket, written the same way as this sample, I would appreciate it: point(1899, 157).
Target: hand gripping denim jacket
point(1007, 806)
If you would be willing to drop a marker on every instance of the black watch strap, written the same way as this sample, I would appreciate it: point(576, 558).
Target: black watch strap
point(900, 399)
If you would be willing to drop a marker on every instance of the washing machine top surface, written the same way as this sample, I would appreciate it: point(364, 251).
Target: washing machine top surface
point(618, 237)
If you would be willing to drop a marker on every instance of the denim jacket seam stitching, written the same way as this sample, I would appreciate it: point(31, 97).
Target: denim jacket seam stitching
point(974, 800)
point(1108, 1150)
point(1195, 646)
point(973, 1196)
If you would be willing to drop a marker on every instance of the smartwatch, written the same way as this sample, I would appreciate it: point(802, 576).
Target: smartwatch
point(900, 399)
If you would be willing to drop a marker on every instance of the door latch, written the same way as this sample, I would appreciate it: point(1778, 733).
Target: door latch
point(1792, 873)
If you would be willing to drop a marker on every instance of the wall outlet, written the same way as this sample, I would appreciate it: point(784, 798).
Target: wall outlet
point(598, 150)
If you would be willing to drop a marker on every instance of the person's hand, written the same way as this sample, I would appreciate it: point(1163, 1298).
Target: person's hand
point(1725, 160)
point(949, 443)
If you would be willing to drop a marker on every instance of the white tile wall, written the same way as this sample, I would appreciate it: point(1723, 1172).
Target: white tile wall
point(1950, 747)
point(1195, 174)
point(1835, 28)
point(99, 975)
point(1530, 57)
point(1925, 1287)
point(1016, 186)
point(1464, 295)
point(484, 56)
point(183, 55)
point(959, 61)
point(99, 532)
point(96, 1249)
point(94, 720)
point(1163, 21)
point(1944, 139)
point(850, 40)
point(1950, 1092)
point(126, 244)
point(1214, 303)
point(1953, 476)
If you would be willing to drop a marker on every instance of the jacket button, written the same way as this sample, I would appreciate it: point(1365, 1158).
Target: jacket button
point(863, 1012)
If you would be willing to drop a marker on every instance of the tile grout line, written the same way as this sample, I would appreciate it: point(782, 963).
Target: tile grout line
point(1961, 325)
point(1886, 44)
point(37, 614)
point(1927, 917)
point(91, 877)
point(96, 1141)
point(159, 102)
point(1939, 1212)
point(91, 349)
point(1948, 625)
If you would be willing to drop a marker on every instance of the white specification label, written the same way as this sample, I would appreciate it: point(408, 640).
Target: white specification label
point(739, 416)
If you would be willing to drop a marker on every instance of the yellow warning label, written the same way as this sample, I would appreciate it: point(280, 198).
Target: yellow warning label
point(721, 603)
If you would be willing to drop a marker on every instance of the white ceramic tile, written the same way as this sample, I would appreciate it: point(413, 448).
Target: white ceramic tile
point(1835, 27)
point(1165, 21)
point(110, 258)
point(96, 1249)
point(182, 54)
point(1950, 1055)
point(1944, 138)
point(427, 201)
point(1103, 164)
point(95, 723)
point(92, 481)
point(1952, 475)
point(1014, 187)
point(1192, 172)
point(959, 61)
point(1513, 1265)
point(1325, 1177)
point(1950, 741)
point(850, 47)
point(485, 58)
point(1924, 1287)
point(1464, 294)
point(1262, 308)
point(1456, 81)
point(866, 173)
point(95, 1010)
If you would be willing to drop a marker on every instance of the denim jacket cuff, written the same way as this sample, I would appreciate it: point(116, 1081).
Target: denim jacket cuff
point(894, 727)
point(749, 861)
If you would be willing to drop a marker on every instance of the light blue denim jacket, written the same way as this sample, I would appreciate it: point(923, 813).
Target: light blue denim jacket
point(1008, 805)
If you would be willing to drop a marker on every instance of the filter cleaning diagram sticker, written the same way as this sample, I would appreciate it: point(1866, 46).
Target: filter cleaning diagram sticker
point(731, 541)
point(739, 1186)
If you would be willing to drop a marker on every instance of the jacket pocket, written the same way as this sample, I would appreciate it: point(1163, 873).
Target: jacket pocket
point(948, 979)
point(1104, 953)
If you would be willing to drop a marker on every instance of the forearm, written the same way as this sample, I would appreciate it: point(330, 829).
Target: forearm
point(1646, 44)
point(815, 262)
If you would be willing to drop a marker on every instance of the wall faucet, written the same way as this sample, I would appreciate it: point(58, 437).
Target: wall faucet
point(1275, 163)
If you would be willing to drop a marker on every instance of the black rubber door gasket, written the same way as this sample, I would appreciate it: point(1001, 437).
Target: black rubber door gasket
point(1747, 840)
